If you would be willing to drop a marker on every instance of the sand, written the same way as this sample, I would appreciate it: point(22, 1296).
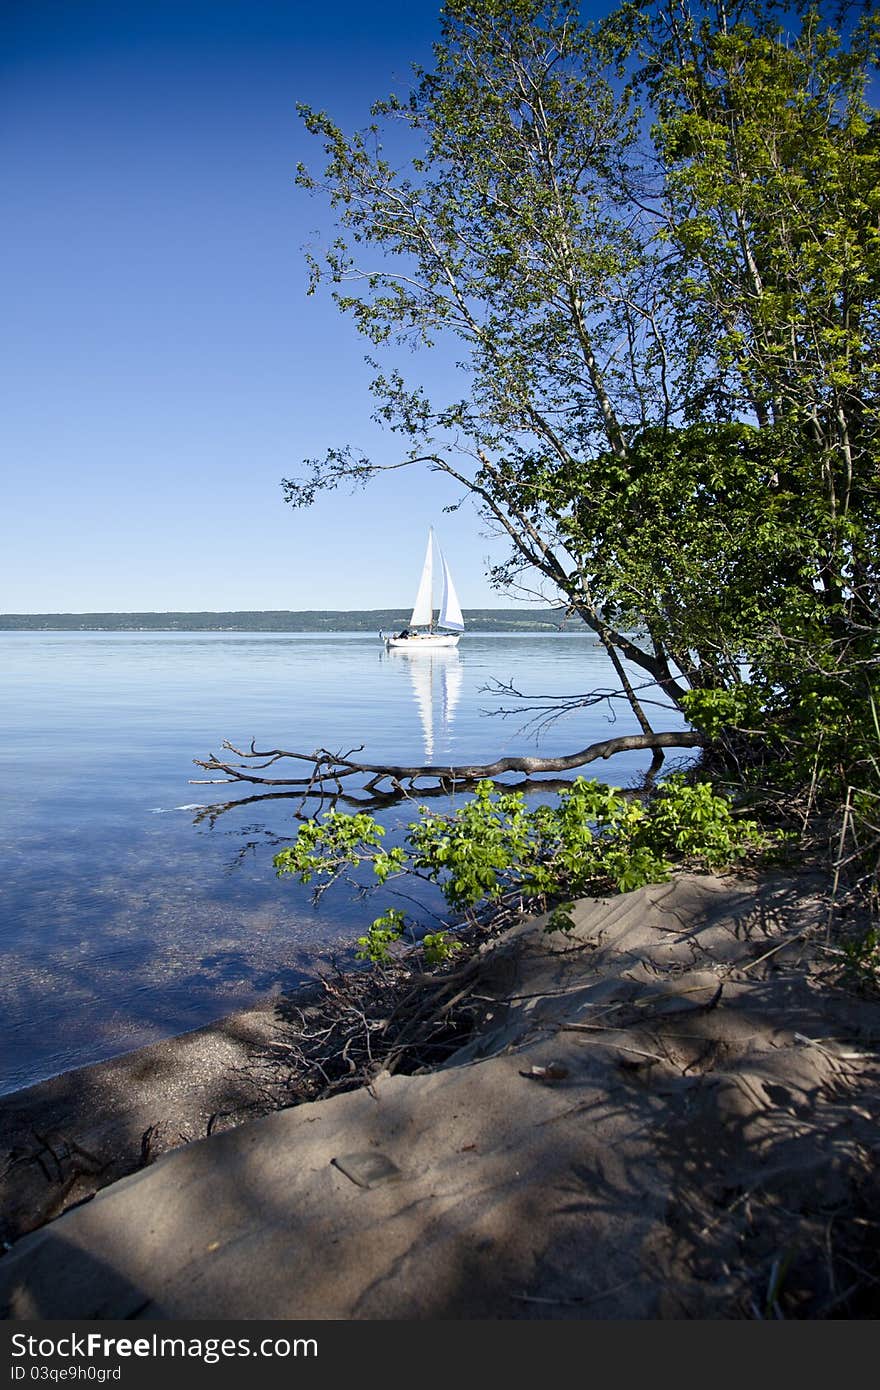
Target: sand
point(669, 1112)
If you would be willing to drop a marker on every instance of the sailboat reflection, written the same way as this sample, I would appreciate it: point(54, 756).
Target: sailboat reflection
point(436, 676)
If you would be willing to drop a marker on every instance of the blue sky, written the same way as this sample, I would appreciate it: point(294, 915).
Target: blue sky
point(161, 364)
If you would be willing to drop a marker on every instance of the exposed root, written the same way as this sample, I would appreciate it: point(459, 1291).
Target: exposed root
point(363, 1022)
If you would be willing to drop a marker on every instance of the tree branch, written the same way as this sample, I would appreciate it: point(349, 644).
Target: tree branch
point(333, 767)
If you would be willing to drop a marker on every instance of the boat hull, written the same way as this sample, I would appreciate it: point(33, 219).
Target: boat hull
point(427, 641)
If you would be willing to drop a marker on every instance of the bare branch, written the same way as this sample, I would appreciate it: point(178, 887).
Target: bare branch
point(332, 768)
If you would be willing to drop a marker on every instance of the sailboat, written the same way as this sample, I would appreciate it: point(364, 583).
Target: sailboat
point(450, 617)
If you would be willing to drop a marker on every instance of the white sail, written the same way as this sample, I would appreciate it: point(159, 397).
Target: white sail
point(423, 612)
point(450, 610)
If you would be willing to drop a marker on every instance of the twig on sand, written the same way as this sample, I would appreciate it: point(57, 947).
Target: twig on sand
point(578, 1298)
point(608, 1042)
point(789, 941)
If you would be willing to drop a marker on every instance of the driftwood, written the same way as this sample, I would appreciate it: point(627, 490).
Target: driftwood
point(329, 771)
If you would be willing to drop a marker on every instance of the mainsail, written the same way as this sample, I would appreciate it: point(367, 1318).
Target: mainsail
point(423, 612)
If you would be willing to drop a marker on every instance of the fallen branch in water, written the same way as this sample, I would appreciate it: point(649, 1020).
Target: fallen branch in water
point(331, 769)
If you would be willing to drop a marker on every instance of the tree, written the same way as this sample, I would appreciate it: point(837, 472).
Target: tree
point(665, 315)
point(507, 232)
point(771, 200)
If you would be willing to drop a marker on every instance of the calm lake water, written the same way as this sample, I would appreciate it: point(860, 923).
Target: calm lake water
point(125, 915)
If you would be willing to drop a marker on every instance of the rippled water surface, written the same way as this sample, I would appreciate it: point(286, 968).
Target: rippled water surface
point(124, 916)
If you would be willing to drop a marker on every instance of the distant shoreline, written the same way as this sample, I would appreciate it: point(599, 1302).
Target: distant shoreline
point(316, 620)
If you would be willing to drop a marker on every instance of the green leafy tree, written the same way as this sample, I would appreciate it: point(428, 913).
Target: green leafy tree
point(770, 204)
point(508, 232)
point(655, 243)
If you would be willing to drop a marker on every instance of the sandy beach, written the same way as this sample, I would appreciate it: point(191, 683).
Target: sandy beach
point(670, 1111)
